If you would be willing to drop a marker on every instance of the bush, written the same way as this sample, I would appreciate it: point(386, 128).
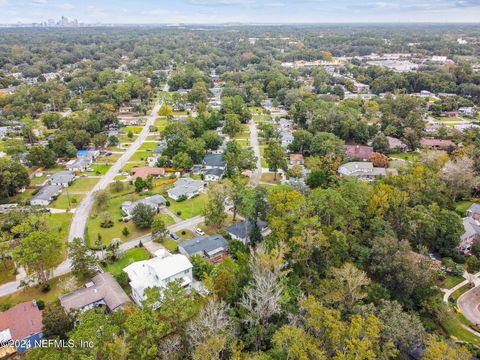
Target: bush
point(179, 213)
point(167, 203)
point(40, 304)
point(125, 231)
point(46, 288)
point(107, 224)
point(122, 279)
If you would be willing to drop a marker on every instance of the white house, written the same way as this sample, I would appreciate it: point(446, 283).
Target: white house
point(185, 188)
point(62, 178)
point(155, 202)
point(214, 174)
point(158, 272)
point(45, 195)
point(361, 170)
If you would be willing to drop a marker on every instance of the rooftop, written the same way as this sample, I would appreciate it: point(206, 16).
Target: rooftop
point(204, 244)
point(357, 151)
point(47, 192)
point(105, 288)
point(22, 320)
point(144, 172)
point(62, 177)
point(214, 160)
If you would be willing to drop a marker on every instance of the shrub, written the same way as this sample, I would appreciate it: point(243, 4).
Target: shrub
point(122, 279)
point(179, 213)
point(40, 304)
point(125, 231)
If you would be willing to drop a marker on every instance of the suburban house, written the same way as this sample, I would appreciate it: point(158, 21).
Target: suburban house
point(437, 144)
point(145, 172)
point(103, 290)
point(185, 188)
point(296, 159)
point(361, 170)
point(88, 154)
point(79, 164)
point(214, 174)
point(287, 138)
point(46, 195)
point(155, 202)
point(20, 327)
point(62, 178)
point(358, 152)
point(211, 161)
point(467, 111)
point(395, 144)
point(241, 230)
point(158, 272)
point(212, 247)
point(471, 226)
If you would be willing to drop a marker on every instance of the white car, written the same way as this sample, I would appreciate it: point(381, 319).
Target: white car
point(200, 231)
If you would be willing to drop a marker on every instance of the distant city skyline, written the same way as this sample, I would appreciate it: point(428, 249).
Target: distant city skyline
point(239, 11)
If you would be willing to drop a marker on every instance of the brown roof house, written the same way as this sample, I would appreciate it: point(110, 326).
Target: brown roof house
point(22, 325)
point(296, 159)
point(437, 144)
point(102, 290)
point(146, 171)
point(358, 152)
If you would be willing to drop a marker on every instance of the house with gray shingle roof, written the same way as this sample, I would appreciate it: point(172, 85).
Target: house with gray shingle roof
point(62, 178)
point(185, 188)
point(241, 230)
point(155, 202)
point(212, 247)
point(45, 195)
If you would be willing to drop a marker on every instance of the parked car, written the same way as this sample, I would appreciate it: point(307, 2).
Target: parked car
point(200, 231)
point(174, 236)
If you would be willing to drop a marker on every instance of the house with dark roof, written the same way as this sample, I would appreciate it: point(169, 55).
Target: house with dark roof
point(103, 290)
point(62, 178)
point(357, 152)
point(185, 188)
point(474, 211)
point(46, 195)
point(211, 161)
point(395, 144)
point(214, 174)
point(241, 230)
point(20, 327)
point(212, 247)
point(78, 165)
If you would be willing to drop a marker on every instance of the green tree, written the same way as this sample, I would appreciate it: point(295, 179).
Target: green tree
point(238, 159)
point(39, 155)
point(215, 207)
point(83, 261)
point(56, 322)
point(276, 157)
point(13, 177)
point(159, 228)
point(113, 140)
point(182, 161)
point(99, 140)
point(232, 125)
point(38, 253)
point(143, 215)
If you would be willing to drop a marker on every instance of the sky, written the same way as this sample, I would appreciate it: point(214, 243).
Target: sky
point(243, 11)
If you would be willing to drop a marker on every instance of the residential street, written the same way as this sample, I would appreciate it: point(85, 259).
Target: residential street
point(257, 173)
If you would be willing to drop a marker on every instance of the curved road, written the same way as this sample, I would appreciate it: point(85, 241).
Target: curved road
point(468, 304)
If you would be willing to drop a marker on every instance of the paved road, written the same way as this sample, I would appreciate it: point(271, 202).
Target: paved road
point(468, 304)
point(79, 221)
point(257, 173)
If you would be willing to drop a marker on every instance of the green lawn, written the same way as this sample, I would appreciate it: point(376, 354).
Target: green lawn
point(22, 197)
point(82, 185)
point(148, 146)
point(130, 165)
point(60, 225)
point(123, 138)
point(244, 133)
point(189, 208)
point(450, 281)
point(244, 142)
point(130, 256)
point(167, 219)
point(269, 178)
point(446, 118)
point(38, 180)
point(7, 274)
point(62, 202)
point(170, 244)
point(100, 169)
point(108, 234)
point(461, 207)
point(453, 326)
point(161, 123)
point(261, 118)
point(133, 129)
point(185, 234)
point(140, 156)
point(406, 156)
point(58, 286)
point(256, 109)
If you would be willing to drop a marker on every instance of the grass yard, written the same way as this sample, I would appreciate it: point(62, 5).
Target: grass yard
point(261, 118)
point(7, 273)
point(450, 281)
point(38, 180)
point(461, 207)
point(170, 244)
point(60, 225)
point(256, 109)
point(110, 158)
point(269, 178)
point(446, 118)
point(123, 138)
point(62, 202)
point(189, 208)
point(100, 169)
point(152, 138)
point(244, 142)
point(167, 219)
point(185, 234)
point(406, 156)
point(131, 164)
point(148, 146)
point(108, 234)
point(82, 185)
point(22, 197)
point(133, 129)
point(453, 326)
point(140, 156)
point(130, 256)
point(58, 286)
point(244, 133)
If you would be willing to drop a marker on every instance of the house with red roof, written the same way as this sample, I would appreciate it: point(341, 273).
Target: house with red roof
point(357, 152)
point(145, 172)
point(20, 327)
point(436, 144)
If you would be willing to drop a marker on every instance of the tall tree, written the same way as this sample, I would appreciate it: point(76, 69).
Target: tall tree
point(83, 261)
point(276, 157)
